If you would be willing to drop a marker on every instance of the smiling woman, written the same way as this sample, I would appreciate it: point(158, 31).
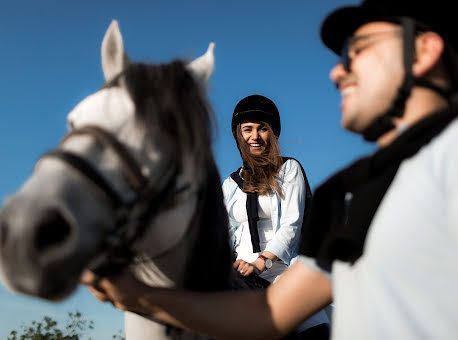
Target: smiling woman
point(256, 127)
point(265, 199)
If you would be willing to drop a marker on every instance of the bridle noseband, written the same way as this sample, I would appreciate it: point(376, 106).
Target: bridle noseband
point(132, 216)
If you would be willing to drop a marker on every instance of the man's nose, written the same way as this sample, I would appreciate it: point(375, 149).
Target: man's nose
point(337, 72)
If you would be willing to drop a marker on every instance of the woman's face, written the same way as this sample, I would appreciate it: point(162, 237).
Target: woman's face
point(256, 135)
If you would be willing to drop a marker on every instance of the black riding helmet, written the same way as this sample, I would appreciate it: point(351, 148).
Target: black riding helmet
point(413, 15)
point(257, 107)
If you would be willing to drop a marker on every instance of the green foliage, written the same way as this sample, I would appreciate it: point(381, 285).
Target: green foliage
point(119, 336)
point(76, 328)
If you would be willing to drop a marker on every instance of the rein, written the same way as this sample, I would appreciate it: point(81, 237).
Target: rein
point(132, 216)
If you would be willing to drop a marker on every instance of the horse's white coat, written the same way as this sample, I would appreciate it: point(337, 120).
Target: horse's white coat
point(112, 109)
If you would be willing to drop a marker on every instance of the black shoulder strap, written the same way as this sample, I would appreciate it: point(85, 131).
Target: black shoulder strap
point(252, 211)
point(252, 204)
point(308, 191)
point(236, 177)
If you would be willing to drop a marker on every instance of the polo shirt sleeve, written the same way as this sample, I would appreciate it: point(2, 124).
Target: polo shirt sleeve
point(450, 170)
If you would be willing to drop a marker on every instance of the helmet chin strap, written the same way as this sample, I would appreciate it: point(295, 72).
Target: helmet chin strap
point(384, 123)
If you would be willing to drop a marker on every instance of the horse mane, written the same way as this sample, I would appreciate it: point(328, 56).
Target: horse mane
point(210, 266)
point(166, 96)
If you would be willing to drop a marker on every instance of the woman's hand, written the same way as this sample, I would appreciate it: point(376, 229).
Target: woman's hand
point(246, 268)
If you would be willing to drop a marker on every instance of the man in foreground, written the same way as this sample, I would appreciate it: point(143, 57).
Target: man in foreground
point(383, 231)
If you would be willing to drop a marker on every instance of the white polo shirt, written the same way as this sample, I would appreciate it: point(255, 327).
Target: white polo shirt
point(405, 285)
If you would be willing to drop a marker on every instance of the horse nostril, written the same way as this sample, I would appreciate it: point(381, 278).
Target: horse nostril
point(53, 230)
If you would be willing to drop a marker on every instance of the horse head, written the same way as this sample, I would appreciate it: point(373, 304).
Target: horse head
point(133, 183)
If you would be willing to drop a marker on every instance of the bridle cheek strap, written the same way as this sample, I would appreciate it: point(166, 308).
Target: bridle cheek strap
point(129, 166)
point(90, 173)
point(133, 216)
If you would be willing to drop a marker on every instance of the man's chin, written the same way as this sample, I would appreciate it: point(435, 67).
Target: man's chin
point(351, 125)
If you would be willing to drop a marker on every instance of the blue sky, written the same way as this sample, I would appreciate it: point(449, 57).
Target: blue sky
point(50, 60)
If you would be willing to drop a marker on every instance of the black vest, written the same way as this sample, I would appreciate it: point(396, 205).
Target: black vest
point(343, 206)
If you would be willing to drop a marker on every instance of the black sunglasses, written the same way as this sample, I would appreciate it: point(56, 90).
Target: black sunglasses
point(350, 46)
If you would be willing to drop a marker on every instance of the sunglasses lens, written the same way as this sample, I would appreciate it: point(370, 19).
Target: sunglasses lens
point(344, 57)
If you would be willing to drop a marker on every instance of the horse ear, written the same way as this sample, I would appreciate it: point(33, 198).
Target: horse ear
point(114, 57)
point(202, 67)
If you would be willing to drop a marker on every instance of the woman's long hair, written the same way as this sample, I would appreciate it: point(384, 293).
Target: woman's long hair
point(259, 172)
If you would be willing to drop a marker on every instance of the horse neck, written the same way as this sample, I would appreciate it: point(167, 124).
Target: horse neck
point(167, 269)
point(204, 244)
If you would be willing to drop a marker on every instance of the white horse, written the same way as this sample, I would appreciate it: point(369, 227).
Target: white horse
point(133, 183)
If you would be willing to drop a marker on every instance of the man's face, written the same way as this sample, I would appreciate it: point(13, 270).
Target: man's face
point(375, 75)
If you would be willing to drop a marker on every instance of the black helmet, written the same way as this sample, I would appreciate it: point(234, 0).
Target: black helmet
point(437, 16)
point(258, 107)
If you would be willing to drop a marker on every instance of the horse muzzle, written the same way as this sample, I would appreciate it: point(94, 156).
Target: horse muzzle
point(37, 247)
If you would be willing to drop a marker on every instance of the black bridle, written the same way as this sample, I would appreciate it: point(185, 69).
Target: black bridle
point(133, 215)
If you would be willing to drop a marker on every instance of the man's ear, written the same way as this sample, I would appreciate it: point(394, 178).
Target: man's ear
point(429, 47)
